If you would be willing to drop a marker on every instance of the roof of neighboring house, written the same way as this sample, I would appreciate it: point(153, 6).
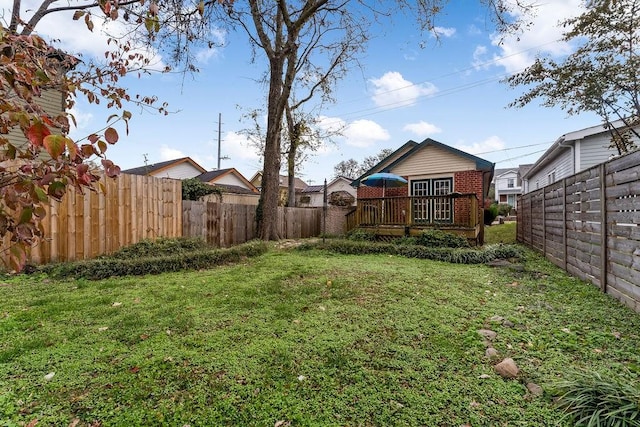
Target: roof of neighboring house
point(523, 169)
point(284, 179)
point(499, 172)
point(235, 189)
point(160, 166)
point(212, 176)
point(569, 138)
point(313, 189)
point(320, 188)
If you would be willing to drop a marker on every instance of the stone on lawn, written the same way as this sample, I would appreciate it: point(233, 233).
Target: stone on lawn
point(488, 334)
point(534, 389)
point(507, 368)
point(492, 353)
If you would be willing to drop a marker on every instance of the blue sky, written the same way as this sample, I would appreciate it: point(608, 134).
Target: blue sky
point(411, 86)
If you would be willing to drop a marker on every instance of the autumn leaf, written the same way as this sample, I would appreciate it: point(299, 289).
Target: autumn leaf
point(111, 135)
point(55, 145)
point(78, 14)
point(36, 133)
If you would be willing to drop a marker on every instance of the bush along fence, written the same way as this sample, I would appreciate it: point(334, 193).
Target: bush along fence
point(589, 224)
point(131, 208)
point(224, 225)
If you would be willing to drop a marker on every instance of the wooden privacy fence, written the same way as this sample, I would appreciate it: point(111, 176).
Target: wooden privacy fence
point(224, 225)
point(589, 224)
point(132, 208)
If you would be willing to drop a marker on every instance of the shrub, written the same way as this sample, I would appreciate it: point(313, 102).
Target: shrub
point(441, 239)
point(504, 209)
point(452, 255)
point(193, 189)
point(361, 235)
point(108, 267)
point(490, 214)
point(592, 400)
point(159, 247)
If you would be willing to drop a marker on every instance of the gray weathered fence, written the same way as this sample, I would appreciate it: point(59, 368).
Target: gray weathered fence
point(589, 224)
point(224, 225)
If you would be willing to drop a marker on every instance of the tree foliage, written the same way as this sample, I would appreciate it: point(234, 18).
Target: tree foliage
point(352, 169)
point(38, 159)
point(601, 76)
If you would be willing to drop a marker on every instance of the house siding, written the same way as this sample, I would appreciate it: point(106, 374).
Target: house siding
point(595, 150)
point(231, 179)
point(180, 171)
point(435, 160)
point(52, 102)
point(562, 165)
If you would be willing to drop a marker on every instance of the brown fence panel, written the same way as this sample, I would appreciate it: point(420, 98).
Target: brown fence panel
point(225, 224)
point(131, 208)
point(589, 224)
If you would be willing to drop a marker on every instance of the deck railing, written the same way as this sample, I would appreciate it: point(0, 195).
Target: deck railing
point(455, 210)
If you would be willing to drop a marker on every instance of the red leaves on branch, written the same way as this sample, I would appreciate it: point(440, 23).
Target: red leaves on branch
point(44, 162)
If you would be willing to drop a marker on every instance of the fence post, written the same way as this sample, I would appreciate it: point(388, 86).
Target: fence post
point(544, 222)
point(603, 228)
point(564, 223)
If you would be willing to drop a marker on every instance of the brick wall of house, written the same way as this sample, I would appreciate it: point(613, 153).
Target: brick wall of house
point(467, 182)
point(373, 192)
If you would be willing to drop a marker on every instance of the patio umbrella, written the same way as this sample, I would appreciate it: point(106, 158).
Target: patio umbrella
point(384, 180)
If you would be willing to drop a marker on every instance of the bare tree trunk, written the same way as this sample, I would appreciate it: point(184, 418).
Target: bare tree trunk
point(267, 219)
point(294, 141)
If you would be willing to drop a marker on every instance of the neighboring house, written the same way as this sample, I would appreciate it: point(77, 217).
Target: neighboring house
point(339, 193)
point(299, 185)
point(507, 186)
point(446, 186)
point(235, 187)
point(182, 168)
point(570, 154)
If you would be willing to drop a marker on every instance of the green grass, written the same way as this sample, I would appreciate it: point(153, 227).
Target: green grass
point(500, 233)
point(311, 338)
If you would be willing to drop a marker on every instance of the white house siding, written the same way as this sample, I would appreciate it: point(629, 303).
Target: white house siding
point(562, 165)
point(231, 179)
point(342, 185)
point(595, 150)
point(180, 171)
point(434, 159)
point(502, 188)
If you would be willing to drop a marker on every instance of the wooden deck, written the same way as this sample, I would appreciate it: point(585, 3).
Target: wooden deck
point(410, 216)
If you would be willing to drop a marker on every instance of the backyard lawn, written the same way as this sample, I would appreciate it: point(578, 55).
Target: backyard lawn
point(310, 338)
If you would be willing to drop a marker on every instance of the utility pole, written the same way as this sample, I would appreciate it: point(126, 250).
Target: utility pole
point(220, 157)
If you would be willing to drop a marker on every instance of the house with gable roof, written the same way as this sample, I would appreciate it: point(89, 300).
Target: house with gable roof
point(572, 153)
point(445, 189)
point(339, 193)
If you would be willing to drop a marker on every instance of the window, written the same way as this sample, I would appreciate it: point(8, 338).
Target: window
point(510, 183)
point(551, 178)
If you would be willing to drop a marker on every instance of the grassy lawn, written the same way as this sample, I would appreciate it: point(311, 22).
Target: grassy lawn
point(502, 233)
point(304, 338)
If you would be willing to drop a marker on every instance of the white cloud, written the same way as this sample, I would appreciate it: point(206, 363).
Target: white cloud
point(493, 143)
point(74, 36)
point(472, 30)
point(238, 148)
point(392, 90)
point(422, 129)
point(443, 32)
point(219, 36)
point(480, 61)
point(518, 51)
point(364, 133)
point(168, 153)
